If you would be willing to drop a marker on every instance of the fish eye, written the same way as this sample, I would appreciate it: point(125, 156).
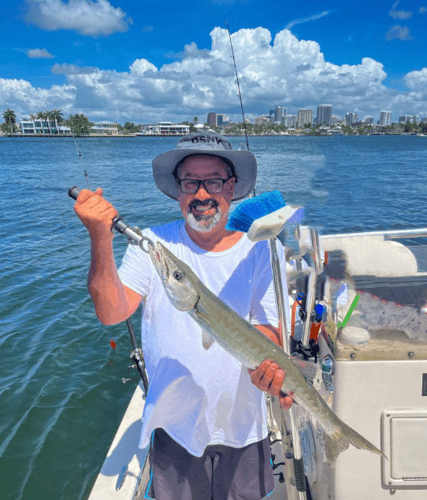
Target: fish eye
point(177, 275)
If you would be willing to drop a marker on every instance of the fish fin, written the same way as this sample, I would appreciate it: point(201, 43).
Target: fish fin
point(332, 447)
point(207, 340)
point(342, 437)
point(311, 371)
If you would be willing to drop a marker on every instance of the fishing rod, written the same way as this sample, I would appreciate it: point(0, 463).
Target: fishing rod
point(134, 234)
point(135, 237)
point(138, 359)
point(82, 162)
point(238, 85)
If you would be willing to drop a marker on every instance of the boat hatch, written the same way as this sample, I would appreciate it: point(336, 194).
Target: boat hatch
point(405, 443)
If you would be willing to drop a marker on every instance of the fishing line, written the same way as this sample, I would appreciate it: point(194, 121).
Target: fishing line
point(83, 163)
point(239, 95)
point(238, 85)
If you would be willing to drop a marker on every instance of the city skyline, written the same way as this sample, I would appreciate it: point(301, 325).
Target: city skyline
point(148, 61)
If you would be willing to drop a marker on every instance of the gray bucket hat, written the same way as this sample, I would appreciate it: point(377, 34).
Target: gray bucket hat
point(205, 143)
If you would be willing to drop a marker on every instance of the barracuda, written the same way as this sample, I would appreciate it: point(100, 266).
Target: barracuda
point(249, 346)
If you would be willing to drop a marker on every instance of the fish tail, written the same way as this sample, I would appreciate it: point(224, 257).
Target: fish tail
point(341, 438)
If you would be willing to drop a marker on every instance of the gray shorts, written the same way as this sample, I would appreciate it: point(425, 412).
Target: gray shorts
point(222, 473)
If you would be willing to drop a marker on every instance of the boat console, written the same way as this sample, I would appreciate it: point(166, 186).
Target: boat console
point(375, 366)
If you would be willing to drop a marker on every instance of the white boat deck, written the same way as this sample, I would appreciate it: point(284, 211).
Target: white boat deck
point(124, 451)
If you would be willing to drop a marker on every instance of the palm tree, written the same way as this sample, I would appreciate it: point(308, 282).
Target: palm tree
point(79, 124)
point(10, 118)
point(41, 116)
point(50, 117)
point(57, 116)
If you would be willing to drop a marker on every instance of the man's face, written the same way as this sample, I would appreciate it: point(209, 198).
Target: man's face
point(204, 211)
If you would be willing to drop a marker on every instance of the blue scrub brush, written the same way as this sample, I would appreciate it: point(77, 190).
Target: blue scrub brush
point(263, 217)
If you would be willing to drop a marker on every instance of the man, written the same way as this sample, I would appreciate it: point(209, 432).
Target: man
point(204, 414)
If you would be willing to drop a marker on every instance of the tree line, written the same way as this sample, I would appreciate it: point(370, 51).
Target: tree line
point(78, 123)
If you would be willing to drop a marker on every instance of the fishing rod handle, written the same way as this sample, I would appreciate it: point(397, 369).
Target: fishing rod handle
point(120, 225)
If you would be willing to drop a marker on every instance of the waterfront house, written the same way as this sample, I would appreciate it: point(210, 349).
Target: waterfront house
point(105, 128)
point(39, 126)
point(166, 128)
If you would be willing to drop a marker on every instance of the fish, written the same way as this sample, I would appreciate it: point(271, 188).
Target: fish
point(221, 324)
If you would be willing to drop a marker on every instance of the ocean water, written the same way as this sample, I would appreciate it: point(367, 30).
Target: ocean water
point(61, 396)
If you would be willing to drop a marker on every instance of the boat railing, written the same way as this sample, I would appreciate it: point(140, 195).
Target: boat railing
point(388, 235)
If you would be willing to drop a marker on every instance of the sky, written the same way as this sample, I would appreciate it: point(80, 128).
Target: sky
point(154, 60)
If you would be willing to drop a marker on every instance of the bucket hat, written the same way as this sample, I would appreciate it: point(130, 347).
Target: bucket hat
point(205, 143)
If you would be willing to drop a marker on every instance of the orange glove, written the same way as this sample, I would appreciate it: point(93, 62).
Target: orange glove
point(269, 377)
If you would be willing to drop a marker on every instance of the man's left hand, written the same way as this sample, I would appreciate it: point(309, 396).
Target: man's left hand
point(269, 377)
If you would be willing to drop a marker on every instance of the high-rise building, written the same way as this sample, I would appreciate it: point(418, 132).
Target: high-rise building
point(369, 120)
point(262, 120)
point(290, 121)
point(304, 117)
point(351, 118)
point(324, 114)
point(385, 118)
point(279, 114)
point(408, 118)
point(272, 116)
point(221, 119)
point(217, 119)
point(211, 119)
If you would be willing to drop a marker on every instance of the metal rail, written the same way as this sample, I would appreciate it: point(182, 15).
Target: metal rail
point(389, 235)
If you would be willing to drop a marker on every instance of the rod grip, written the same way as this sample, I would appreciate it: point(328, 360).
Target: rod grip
point(73, 192)
point(285, 395)
point(118, 223)
point(299, 474)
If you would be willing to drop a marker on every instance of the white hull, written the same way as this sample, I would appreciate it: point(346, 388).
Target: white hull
point(124, 452)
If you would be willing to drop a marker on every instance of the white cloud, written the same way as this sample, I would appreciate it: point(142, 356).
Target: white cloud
point(147, 29)
point(25, 99)
point(307, 19)
point(39, 54)
point(422, 10)
point(402, 33)
point(399, 14)
point(71, 69)
point(87, 17)
point(417, 79)
point(281, 71)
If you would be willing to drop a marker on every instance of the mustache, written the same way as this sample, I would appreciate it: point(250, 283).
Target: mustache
point(199, 203)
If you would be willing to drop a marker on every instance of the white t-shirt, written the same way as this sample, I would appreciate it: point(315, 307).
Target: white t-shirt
point(201, 397)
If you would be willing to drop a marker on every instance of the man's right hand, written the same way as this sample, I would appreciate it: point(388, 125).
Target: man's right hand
point(269, 377)
point(96, 213)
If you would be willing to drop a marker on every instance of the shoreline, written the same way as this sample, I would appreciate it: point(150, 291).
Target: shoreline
point(135, 136)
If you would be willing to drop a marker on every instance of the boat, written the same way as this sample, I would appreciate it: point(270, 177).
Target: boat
point(374, 376)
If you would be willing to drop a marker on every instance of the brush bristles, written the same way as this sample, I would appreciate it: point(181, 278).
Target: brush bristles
point(252, 209)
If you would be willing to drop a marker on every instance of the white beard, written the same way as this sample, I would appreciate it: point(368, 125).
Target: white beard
point(203, 223)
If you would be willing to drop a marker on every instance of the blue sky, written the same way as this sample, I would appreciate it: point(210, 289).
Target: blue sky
point(148, 60)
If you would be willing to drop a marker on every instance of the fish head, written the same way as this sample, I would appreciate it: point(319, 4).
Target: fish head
point(179, 281)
